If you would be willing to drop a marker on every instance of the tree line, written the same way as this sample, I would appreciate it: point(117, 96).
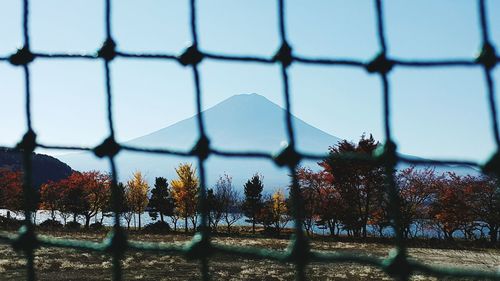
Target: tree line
point(343, 196)
point(351, 196)
point(88, 195)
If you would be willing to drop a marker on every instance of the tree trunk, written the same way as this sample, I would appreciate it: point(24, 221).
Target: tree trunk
point(306, 228)
point(494, 234)
point(366, 213)
point(253, 225)
point(161, 217)
point(174, 222)
point(194, 222)
point(87, 221)
point(139, 221)
point(331, 226)
point(449, 235)
point(186, 224)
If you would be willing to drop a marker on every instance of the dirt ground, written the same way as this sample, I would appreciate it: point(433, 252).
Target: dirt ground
point(57, 264)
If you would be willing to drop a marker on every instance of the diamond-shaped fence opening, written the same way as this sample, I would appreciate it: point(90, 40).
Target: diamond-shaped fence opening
point(200, 247)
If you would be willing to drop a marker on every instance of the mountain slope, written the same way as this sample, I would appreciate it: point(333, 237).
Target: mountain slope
point(249, 122)
point(242, 122)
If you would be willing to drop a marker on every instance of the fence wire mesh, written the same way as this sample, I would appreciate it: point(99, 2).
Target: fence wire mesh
point(200, 247)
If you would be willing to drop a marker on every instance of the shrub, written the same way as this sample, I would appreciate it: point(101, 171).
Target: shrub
point(51, 224)
point(157, 227)
point(73, 225)
point(96, 226)
point(9, 223)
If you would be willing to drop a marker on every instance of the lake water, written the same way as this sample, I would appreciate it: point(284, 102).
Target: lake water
point(146, 219)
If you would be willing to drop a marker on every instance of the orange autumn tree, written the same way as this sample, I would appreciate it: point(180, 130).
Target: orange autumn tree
point(185, 193)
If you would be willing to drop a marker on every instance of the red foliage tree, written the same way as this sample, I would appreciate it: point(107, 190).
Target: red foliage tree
point(309, 185)
point(51, 197)
point(483, 194)
point(11, 191)
point(85, 194)
point(358, 183)
point(322, 202)
point(416, 189)
point(451, 210)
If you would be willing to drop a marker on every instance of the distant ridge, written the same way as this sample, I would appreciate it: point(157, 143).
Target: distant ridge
point(45, 168)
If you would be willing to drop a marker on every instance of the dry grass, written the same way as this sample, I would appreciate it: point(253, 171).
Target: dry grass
point(57, 264)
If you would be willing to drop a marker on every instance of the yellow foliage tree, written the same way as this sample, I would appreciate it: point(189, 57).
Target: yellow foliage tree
point(185, 193)
point(279, 210)
point(137, 194)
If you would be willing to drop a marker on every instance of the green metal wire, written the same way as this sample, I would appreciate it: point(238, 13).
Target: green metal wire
point(200, 247)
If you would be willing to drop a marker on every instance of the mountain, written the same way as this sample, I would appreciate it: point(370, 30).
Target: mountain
point(241, 122)
point(45, 168)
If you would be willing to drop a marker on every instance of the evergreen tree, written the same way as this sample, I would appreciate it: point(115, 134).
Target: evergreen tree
point(124, 206)
point(253, 199)
point(161, 201)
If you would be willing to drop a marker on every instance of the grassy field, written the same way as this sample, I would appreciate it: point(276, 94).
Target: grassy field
point(57, 264)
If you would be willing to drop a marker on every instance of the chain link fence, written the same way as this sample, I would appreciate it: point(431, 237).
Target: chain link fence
point(200, 247)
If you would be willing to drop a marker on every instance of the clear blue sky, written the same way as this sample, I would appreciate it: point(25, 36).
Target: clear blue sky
point(436, 113)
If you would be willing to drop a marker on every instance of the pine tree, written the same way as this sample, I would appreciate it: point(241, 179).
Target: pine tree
point(253, 199)
point(161, 200)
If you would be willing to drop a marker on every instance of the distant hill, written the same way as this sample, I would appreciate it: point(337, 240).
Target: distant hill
point(241, 122)
point(45, 167)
